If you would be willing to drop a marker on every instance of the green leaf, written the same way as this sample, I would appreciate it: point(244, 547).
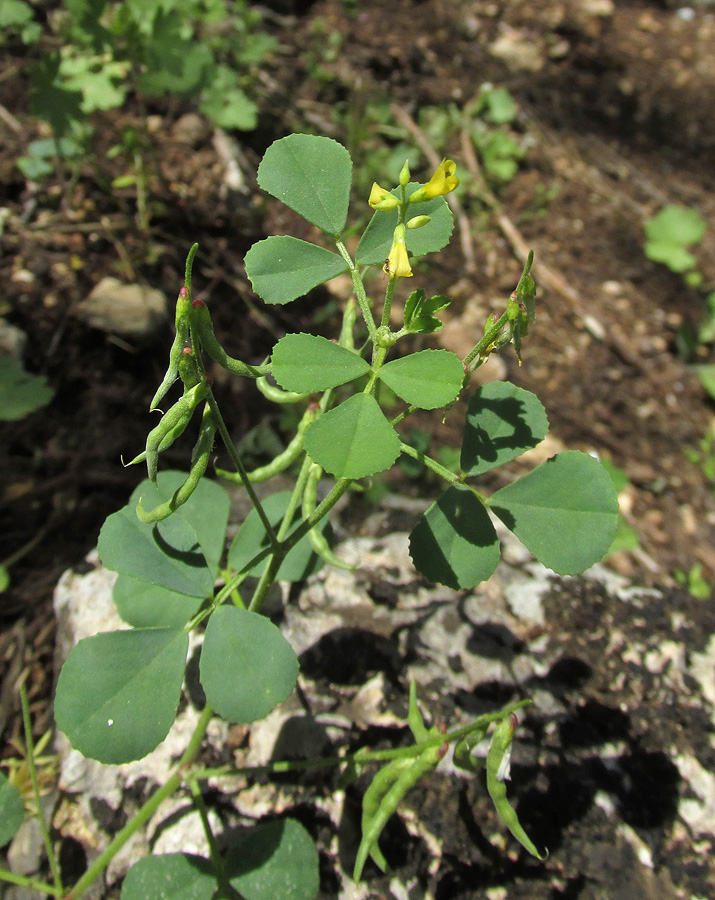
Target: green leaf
point(275, 860)
point(118, 692)
point(12, 810)
point(565, 511)
point(307, 363)
point(676, 225)
point(206, 511)
point(145, 605)
point(454, 543)
point(180, 553)
point(170, 876)
point(100, 81)
point(675, 257)
point(427, 379)
point(247, 666)
point(226, 104)
point(502, 422)
point(353, 440)
point(20, 393)
point(420, 313)
point(376, 242)
point(173, 60)
point(300, 562)
point(706, 374)
point(500, 106)
point(312, 176)
point(50, 100)
point(282, 268)
point(14, 13)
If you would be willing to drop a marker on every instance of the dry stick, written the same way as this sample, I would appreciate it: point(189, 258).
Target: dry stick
point(465, 235)
point(7, 117)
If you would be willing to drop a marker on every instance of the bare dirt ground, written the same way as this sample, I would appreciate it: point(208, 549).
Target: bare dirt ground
point(616, 111)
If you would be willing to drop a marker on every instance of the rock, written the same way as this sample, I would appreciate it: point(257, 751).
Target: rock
point(518, 50)
point(26, 849)
point(615, 672)
point(130, 310)
point(190, 129)
point(13, 340)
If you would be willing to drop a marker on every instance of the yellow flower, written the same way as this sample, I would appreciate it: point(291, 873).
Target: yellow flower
point(397, 264)
point(382, 199)
point(442, 182)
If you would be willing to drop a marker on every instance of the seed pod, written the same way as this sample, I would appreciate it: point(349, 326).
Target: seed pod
point(181, 322)
point(497, 775)
point(199, 461)
point(398, 779)
point(462, 757)
point(172, 425)
point(277, 395)
point(203, 328)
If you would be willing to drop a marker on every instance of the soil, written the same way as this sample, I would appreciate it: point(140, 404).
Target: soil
point(616, 113)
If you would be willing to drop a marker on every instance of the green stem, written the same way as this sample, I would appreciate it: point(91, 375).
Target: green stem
point(24, 881)
point(30, 745)
point(295, 498)
point(402, 416)
point(225, 888)
point(359, 288)
point(265, 582)
point(147, 810)
point(432, 464)
point(389, 294)
point(369, 756)
point(488, 339)
point(377, 360)
point(279, 552)
point(240, 468)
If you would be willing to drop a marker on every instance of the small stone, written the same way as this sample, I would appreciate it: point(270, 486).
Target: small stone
point(190, 129)
point(133, 310)
point(13, 340)
point(599, 8)
point(25, 853)
point(518, 51)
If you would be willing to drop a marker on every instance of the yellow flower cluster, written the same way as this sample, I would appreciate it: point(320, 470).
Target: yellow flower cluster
point(397, 264)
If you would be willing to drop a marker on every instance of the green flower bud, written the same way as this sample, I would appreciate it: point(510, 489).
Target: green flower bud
point(418, 221)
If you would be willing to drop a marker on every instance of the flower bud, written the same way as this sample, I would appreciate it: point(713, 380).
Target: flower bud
point(382, 199)
point(417, 221)
point(405, 173)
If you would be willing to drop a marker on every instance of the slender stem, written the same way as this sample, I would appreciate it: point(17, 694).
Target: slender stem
point(488, 339)
point(25, 881)
point(147, 810)
point(389, 293)
point(359, 287)
point(295, 498)
point(214, 852)
point(30, 745)
point(292, 539)
point(265, 583)
point(366, 756)
point(432, 464)
point(377, 360)
point(398, 419)
point(240, 468)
